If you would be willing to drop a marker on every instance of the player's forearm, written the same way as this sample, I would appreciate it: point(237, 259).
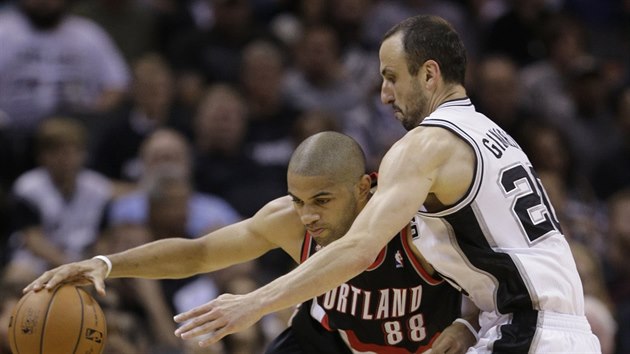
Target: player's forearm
point(167, 258)
point(326, 270)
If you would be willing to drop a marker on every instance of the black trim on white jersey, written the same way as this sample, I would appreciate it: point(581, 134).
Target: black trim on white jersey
point(475, 184)
point(512, 294)
point(517, 336)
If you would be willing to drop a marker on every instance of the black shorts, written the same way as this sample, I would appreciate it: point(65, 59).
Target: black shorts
point(307, 336)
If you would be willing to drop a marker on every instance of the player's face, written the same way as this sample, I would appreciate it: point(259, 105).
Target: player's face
point(326, 207)
point(400, 89)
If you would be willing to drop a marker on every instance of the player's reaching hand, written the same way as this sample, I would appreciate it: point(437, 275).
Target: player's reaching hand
point(90, 271)
point(216, 319)
point(454, 339)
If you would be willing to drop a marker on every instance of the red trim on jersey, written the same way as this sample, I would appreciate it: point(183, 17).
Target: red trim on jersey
point(306, 252)
point(306, 247)
point(356, 344)
point(416, 264)
point(374, 178)
point(325, 323)
point(379, 259)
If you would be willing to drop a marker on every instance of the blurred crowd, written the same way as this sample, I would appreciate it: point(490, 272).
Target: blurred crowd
point(126, 121)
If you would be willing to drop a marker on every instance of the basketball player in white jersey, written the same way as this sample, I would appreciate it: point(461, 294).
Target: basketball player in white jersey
point(489, 227)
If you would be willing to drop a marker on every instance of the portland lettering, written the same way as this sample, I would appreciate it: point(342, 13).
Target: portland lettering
point(372, 304)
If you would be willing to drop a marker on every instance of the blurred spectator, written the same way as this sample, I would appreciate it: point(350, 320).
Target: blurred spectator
point(385, 14)
point(591, 273)
point(310, 123)
point(617, 264)
point(598, 306)
point(126, 333)
point(215, 54)
point(496, 91)
point(567, 89)
point(166, 156)
point(269, 112)
point(613, 173)
point(570, 192)
point(592, 133)
point(349, 19)
point(178, 17)
point(319, 81)
point(518, 33)
point(150, 107)
point(131, 24)
point(545, 81)
point(165, 205)
point(602, 323)
point(58, 205)
point(223, 166)
point(52, 62)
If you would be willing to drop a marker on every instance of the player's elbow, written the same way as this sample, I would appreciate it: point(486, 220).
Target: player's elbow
point(360, 255)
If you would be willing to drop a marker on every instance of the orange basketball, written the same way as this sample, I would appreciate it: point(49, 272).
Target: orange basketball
point(66, 320)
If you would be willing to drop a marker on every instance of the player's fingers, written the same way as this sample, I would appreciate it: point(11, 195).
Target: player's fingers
point(99, 285)
point(192, 313)
point(441, 346)
point(56, 279)
point(207, 328)
point(37, 284)
point(195, 322)
point(214, 337)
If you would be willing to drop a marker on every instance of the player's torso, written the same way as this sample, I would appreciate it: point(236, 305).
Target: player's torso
point(393, 307)
point(504, 216)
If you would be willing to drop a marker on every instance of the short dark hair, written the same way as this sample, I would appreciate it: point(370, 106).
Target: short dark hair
point(431, 37)
point(331, 154)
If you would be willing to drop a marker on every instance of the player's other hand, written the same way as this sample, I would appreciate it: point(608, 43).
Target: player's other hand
point(455, 339)
point(91, 271)
point(216, 319)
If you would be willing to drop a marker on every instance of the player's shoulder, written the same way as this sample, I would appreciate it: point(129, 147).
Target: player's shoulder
point(426, 139)
point(278, 216)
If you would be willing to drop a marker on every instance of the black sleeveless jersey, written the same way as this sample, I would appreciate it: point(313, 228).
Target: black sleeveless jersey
point(393, 307)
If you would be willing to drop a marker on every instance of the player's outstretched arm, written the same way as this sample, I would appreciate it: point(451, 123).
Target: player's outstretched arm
point(179, 257)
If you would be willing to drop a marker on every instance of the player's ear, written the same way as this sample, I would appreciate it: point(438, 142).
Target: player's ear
point(365, 184)
point(432, 73)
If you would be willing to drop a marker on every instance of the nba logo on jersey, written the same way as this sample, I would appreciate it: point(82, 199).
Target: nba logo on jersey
point(399, 259)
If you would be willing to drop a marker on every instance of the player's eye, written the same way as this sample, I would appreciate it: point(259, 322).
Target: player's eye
point(322, 201)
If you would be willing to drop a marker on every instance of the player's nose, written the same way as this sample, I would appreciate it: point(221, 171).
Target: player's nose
point(308, 218)
point(387, 93)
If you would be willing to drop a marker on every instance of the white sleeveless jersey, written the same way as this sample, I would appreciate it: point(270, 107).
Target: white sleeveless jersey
point(501, 243)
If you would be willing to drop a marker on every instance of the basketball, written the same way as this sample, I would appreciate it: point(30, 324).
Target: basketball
point(65, 320)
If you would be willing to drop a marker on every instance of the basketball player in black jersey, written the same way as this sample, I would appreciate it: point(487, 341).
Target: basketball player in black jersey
point(398, 305)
